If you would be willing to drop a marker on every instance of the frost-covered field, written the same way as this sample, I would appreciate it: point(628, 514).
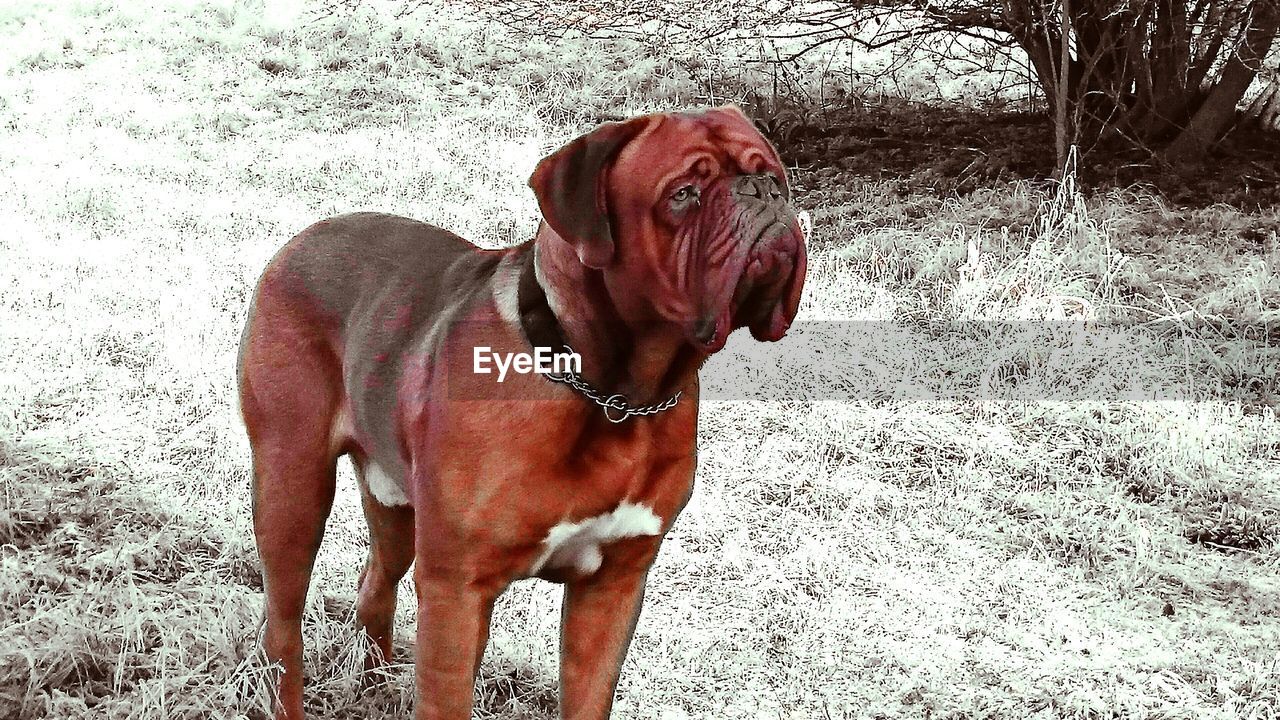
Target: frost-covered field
point(970, 551)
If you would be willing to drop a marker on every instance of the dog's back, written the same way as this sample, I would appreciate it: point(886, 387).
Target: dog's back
point(355, 295)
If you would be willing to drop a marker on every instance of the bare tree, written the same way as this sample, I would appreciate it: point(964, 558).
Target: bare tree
point(1165, 75)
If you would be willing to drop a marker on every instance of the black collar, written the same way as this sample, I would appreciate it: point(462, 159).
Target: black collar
point(539, 323)
point(542, 329)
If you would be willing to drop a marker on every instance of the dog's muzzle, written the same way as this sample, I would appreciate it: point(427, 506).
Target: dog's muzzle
point(765, 272)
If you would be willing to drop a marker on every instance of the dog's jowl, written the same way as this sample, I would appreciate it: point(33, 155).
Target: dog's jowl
point(661, 235)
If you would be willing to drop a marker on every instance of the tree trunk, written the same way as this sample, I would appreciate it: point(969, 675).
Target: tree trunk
point(1064, 92)
point(1265, 108)
point(1269, 116)
point(1219, 108)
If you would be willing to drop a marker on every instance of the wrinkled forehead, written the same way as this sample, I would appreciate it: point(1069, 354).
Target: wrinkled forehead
point(710, 142)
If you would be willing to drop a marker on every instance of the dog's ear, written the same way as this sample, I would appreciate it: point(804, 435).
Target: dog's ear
point(570, 185)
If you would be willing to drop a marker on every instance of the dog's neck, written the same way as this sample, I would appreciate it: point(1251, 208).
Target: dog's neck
point(647, 362)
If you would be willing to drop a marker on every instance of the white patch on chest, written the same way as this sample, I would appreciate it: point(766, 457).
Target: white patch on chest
point(577, 544)
point(383, 487)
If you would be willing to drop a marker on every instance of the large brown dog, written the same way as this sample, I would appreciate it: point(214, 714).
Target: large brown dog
point(663, 234)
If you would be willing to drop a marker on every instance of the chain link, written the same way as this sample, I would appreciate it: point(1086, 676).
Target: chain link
point(613, 403)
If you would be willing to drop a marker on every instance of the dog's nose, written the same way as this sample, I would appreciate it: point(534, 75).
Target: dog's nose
point(775, 190)
point(745, 186)
point(760, 187)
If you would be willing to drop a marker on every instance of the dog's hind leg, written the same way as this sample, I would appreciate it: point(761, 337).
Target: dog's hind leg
point(390, 554)
point(289, 394)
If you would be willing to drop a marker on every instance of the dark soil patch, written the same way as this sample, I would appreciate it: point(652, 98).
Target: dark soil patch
point(954, 150)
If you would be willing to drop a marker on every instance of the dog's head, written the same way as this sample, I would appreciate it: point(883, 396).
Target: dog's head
point(687, 216)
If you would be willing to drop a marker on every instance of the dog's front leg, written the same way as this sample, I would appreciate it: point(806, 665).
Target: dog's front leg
point(598, 618)
point(453, 627)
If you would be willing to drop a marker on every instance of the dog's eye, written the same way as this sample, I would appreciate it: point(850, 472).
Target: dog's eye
point(684, 195)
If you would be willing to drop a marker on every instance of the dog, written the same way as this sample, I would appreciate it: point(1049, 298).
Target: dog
point(661, 234)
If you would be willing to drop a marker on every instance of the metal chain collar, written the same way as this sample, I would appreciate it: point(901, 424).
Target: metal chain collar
point(614, 403)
